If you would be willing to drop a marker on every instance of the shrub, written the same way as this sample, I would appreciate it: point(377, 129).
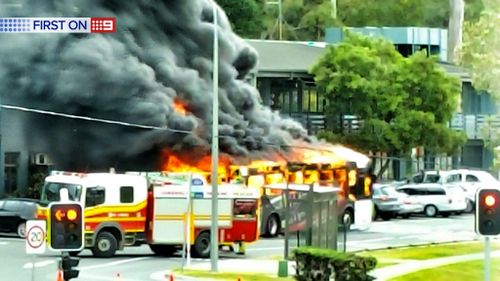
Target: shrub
point(323, 264)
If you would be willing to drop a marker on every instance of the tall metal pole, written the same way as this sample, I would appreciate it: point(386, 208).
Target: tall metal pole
point(334, 9)
point(214, 242)
point(2, 169)
point(280, 18)
point(487, 258)
point(456, 21)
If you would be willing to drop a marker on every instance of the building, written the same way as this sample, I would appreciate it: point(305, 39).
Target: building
point(475, 107)
point(285, 85)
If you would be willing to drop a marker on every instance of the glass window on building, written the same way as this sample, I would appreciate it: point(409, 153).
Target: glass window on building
point(11, 167)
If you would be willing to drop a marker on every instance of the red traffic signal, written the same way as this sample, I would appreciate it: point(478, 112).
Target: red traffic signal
point(490, 200)
point(487, 216)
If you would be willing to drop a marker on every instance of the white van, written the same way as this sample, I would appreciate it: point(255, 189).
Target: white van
point(437, 198)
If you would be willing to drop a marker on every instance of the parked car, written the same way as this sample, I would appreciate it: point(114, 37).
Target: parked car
point(468, 180)
point(390, 203)
point(437, 199)
point(14, 212)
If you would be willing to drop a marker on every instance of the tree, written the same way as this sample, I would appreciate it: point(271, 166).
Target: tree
point(246, 17)
point(402, 102)
point(308, 19)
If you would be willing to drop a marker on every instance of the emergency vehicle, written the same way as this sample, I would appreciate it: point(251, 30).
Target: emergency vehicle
point(139, 208)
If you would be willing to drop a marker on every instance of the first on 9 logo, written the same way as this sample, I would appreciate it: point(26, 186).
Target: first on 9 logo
point(102, 25)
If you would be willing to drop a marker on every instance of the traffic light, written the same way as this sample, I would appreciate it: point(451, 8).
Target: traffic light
point(67, 265)
point(66, 226)
point(487, 212)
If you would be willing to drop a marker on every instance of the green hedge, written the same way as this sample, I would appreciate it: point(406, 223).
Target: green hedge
point(323, 264)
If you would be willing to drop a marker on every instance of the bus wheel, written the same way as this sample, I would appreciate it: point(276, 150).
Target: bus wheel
point(272, 226)
point(105, 245)
point(162, 250)
point(347, 219)
point(202, 245)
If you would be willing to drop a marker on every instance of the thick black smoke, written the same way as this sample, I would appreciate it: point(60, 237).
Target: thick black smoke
point(161, 51)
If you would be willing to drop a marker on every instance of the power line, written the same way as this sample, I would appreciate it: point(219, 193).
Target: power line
point(72, 116)
point(134, 125)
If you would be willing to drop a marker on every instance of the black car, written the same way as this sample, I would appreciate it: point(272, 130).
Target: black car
point(14, 212)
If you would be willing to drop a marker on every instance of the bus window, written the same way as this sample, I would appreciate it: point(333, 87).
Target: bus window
point(310, 177)
point(256, 181)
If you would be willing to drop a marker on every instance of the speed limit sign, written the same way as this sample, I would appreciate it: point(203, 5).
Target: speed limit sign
point(35, 236)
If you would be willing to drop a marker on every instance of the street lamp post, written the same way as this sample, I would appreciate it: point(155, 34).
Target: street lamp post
point(214, 242)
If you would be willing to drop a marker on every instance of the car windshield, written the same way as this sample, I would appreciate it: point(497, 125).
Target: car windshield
point(432, 179)
point(50, 192)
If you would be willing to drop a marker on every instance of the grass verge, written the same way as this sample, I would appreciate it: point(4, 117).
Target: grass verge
point(463, 271)
point(431, 252)
point(228, 275)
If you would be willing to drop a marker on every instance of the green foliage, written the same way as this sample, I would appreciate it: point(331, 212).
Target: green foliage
point(402, 102)
point(429, 13)
point(323, 264)
point(308, 19)
point(246, 17)
point(480, 51)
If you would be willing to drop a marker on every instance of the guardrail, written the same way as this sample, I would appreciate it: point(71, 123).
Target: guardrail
point(471, 124)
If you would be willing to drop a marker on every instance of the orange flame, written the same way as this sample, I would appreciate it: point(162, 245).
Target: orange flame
point(180, 106)
point(271, 167)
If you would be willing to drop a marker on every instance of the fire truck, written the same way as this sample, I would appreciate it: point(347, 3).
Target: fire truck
point(167, 211)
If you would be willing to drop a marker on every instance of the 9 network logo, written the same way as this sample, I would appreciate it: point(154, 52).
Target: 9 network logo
point(57, 25)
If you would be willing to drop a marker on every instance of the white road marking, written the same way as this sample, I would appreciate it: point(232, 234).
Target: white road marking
point(3, 243)
point(39, 264)
point(110, 264)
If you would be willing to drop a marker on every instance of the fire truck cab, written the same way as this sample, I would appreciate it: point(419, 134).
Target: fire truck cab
point(155, 209)
point(115, 207)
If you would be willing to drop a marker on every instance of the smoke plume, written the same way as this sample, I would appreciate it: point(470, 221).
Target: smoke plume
point(162, 51)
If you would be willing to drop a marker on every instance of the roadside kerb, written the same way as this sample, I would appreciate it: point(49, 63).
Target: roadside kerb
point(393, 271)
point(164, 275)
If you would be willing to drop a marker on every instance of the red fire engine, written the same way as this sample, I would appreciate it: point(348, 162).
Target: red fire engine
point(156, 209)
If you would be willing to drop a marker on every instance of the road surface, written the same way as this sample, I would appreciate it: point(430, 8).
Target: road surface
point(139, 264)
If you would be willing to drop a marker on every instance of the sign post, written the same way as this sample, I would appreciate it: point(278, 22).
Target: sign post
point(35, 241)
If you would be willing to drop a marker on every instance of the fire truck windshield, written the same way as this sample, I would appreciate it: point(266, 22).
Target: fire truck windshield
point(50, 192)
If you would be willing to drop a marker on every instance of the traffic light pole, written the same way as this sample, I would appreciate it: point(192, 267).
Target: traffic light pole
point(487, 258)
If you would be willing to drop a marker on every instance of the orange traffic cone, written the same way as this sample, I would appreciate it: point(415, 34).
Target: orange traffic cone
point(59, 276)
point(171, 278)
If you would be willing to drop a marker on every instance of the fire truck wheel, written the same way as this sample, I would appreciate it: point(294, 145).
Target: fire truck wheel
point(105, 245)
point(202, 245)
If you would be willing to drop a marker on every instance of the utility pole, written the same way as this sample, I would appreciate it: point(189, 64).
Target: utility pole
point(2, 160)
point(456, 20)
point(214, 231)
point(280, 16)
point(334, 9)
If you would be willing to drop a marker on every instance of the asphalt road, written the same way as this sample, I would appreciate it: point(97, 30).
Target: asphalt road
point(138, 264)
